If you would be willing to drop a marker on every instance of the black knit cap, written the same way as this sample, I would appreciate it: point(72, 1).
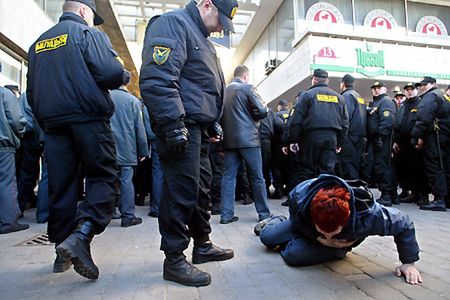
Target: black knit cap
point(348, 80)
point(320, 73)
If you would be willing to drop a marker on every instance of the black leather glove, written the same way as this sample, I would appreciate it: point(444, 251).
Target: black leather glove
point(379, 143)
point(414, 142)
point(215, 130)
point(176, 139)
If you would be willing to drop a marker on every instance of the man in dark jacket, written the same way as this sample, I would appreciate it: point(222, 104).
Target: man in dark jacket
point(380, 125)
point(131, 145)
point(73, 107)
point(182, 84)
point(353, 145)
point(12, 127)
point(319, 124)
point(432, 132)
point(242, 113)
point(409, 167)
point(328, 217)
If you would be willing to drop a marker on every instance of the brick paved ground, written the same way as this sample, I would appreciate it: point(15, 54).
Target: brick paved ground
point(131, 266)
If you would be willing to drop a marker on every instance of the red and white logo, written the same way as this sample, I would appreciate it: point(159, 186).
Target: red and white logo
point(381, 19)
point(324, 13)
point(430, 25)
point(326, 52)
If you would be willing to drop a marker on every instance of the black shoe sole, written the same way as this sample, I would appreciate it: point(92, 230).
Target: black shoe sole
point(201, 260)
point(78, 264)
point(186, 283)
point(434, 208)
point(61, 268)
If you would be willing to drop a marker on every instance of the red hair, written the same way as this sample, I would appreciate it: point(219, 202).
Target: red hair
point(330, 208)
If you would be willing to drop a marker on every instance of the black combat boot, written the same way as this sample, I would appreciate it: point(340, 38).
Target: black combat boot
point(423, 199)
point(395, 198)
point(61, 263)
point(207, 251)
point(77, 248)
point(277, 194)
point(404, 194)
point(436, 205)
point(385, 199)
point(177, 269)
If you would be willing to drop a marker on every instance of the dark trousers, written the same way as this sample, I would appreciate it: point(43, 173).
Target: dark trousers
point(295, 170)
point(183, 209)
point(438, 177)
point(382, 164)
point(318, 153)
point(279, 166)
point(266, 153)
point(90, 145)
point(28, 170)
point(409, 167)
point(351, 156)
point(216, 158)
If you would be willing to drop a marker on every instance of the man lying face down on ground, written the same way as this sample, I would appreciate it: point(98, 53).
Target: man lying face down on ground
point(329, 217)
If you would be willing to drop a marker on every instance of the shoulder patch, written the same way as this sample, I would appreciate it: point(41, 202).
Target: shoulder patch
point(447, 97)
point(361, 101)
point(386, 113)
point(160, 54)
point(51, 44)
point(327, 98)
point(414, 110)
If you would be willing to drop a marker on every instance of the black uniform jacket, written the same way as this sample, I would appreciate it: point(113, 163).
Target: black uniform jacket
point(406, 118)
point(357, 111)
point(71, 68)
point(319, 108)
point(381, 116)
point(434, 106)
point(180, 75)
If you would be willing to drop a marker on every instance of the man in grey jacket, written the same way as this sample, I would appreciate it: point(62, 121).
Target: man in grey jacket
point(131, 143)
point(243, 109)
point(12, 126)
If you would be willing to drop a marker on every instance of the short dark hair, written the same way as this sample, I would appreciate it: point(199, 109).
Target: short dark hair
point(240, 71)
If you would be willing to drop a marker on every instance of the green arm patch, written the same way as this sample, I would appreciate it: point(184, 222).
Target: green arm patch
point(161, 54)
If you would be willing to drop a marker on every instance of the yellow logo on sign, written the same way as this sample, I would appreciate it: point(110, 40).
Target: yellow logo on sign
point(361, 101)
point(161, 54)
point(51, 44)
point(327, 98)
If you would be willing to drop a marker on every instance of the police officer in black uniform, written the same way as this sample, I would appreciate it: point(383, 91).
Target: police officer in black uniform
point(380, 125)
point(409, 166)
point(319, 124)
point(353, 145)
point(432, 132)
point(279, 160)
point(71, 68)
point(183, 86)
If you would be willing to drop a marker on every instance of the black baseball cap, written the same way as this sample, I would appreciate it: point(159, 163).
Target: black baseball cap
point(98, 20)
point(399, 93)
point(427, 80)
point(377, 84)
point(410, 85)
point(283, 102)
point(348, 79)
point(320, 73)
point(227, 11)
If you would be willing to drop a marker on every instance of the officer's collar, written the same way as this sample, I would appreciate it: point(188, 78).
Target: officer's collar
point(193, 12)
point(381, 96)
point(411, 99)
point(72, 17)
point(236, 79)
point(347, 90)
point(429, 91)
point(319, 84)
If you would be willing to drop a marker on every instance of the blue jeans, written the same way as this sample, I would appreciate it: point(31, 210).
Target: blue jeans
point(295, 249)
point(157, 181)
point(9, 207)
point(253, 161)
point(126, 206)
point(42, 197)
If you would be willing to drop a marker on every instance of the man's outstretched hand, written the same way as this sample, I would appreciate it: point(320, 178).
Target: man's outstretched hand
point(410, 272)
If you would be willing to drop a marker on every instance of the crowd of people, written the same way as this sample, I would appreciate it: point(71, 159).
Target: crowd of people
point(196, 145)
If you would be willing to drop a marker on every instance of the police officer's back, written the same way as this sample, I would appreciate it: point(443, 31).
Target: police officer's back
point(71, 68)
point(319, 123)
